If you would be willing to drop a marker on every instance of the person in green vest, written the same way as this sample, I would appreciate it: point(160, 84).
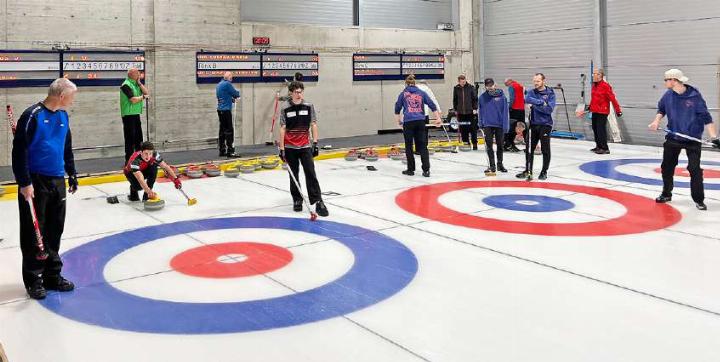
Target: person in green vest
point(132, 95)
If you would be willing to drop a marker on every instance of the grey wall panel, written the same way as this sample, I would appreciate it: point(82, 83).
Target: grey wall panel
point(405, 14)
point(644, 40)
point(631, 12)
point(317, 12)
point(513, 16)
point(551, 37)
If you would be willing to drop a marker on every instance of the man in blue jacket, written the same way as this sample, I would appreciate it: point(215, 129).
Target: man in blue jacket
point(411, 102)
point(494, 118)
point(226, 96)
point(687, 114)
point(41, 156)
point(542, 104)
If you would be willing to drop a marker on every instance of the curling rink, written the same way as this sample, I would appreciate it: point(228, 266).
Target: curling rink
point(584, 266)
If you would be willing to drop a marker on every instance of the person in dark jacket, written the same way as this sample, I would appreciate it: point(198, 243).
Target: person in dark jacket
point(602, 96)
point(464, 103)
point(516, 100)
point(226, 95)
point(411, 101)
point(494, 118)
point(687, 114)
point(41, 156)
point(542, 104)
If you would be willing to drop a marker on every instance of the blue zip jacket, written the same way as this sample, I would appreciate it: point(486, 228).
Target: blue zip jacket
point(412, 101)
point(225, 93)
point(687, 113)
point(543, 103)
point(493, 110)
point(42, 145)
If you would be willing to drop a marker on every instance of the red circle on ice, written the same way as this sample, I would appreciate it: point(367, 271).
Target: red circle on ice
point(642, 214)
point(684, 172)
point(231, 260)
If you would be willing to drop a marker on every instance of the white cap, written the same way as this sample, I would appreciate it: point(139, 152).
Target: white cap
point(676, 74)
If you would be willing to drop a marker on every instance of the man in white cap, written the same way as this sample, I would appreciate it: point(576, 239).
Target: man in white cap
point(687, 115)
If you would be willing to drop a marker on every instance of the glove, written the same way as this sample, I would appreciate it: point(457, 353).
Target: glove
point(315, 149)
point(716, 143)
point(72, 184)
point(618, 114)
point(178, 184)
point(281, 154)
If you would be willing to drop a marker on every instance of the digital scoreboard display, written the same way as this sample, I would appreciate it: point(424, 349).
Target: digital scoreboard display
point(255, 67)
point(28, 68)
point(281, 67)
point(424, 66)
point(245, 67)
point(378, 66)
point(100, 68)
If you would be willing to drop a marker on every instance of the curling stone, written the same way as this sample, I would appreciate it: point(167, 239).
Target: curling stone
point(269, 163)
point(247, 168)
point(212, 170)
point(193, 171)
point(154, 204)
point(371, 155)
point(232, 172)
point(465, 148)
point(352, 155)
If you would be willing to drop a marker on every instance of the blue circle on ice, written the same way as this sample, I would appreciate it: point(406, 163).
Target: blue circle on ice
point(383, 266)
point(607, 169)
point(528, 203)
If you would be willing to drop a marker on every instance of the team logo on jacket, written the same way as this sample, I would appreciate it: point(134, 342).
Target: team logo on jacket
point(414, 102)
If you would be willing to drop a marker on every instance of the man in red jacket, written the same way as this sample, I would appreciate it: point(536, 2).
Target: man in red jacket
point(516, 99)
point(601, 97)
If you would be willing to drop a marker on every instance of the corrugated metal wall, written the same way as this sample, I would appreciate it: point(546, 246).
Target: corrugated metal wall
point(405, 14)
point(647, 37)
point(316, 12)
point(642, 39)
point(402, 14)
point(551, 37)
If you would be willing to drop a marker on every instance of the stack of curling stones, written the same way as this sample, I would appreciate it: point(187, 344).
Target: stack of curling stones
point(211, 169)
point(154, 204)
point(193, 171)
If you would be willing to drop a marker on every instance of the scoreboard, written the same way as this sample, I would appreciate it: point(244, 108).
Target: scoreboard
point(245, 67)
point(252, 67)
point(28, 68)
point(100, 68)
point(378, 66)
point(424, 66)
point(279, 67)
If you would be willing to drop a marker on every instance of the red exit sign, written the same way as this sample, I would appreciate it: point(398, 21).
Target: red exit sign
point(261, 40)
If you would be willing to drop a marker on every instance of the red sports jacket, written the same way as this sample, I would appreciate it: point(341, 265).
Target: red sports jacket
point(602, 94)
